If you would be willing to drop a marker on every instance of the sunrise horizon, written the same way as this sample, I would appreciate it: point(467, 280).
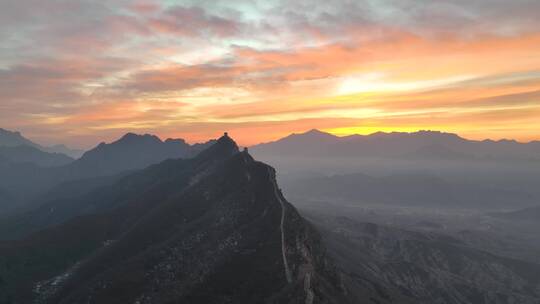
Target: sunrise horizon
point(237, 136)
point(266, 69)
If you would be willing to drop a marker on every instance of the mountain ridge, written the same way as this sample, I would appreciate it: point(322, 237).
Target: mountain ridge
point(15, 138)
point(397, 145)
point(27, 181)
point(318, 132)
point(30, 154)
point(205, 230)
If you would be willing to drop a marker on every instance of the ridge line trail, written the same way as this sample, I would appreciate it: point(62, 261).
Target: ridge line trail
point(288, 274)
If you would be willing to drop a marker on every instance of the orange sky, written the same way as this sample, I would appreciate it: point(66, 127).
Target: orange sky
point(262, 70)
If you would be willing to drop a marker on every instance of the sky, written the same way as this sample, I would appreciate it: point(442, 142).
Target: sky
point(81, 72)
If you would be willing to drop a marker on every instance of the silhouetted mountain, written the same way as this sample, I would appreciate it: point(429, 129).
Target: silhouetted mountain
point(29, 154)
point(401, 266)
point(430, 144)
point(13, 139)
point(131, 152)
point(73, 153)
point(212, 229)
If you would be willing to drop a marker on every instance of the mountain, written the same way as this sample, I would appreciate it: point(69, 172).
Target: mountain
point(63, 149)
point(13, 139)
point(211, 229)
point(30, 154)
point(306, 144)
point(430, 144)
point(404, 266)
point(131, 152)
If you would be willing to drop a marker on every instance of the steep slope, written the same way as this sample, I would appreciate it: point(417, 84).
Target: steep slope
point(213, 229)
point(28, 154)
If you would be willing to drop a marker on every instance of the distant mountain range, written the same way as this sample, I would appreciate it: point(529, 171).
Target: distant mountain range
point(14, 139)
point(211, 229)
point(131, 152)
point(26, 180)
point(63, 149)
point(29, 154)
point(420, 145)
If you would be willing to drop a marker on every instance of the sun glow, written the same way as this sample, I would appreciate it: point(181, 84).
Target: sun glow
point(381, 83)
point(189, 70)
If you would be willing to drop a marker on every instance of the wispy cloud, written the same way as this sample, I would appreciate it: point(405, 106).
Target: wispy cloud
point(85, 70)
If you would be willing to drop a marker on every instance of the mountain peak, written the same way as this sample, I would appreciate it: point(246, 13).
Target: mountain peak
point(133, 151)
point(176, 140)
point(225, 146)
point(311, 134)
point(15, 138)
point(438, 134)
point(132, 137)
point(317, 133)
point(226, 140)
point(179, 230)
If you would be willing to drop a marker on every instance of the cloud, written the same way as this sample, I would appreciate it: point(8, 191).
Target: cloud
point(77, 67)
point(192, 21)
point(179, 77)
